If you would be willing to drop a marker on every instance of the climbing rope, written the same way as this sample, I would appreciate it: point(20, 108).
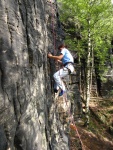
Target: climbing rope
point(73, 126)
point(53, 27)
point(72, 123)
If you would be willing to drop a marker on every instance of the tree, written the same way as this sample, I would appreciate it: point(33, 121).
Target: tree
point(88, 26)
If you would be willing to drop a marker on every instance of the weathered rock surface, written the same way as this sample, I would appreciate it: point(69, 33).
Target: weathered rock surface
point(26, 32)
point(30, 117)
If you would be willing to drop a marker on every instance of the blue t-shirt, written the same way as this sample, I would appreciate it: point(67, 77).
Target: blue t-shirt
point(67, 57)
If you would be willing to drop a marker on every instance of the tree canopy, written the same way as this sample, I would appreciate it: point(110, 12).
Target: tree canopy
point(76, 15)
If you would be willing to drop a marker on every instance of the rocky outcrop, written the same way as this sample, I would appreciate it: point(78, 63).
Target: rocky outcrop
point(30, 117)
point(26, 34)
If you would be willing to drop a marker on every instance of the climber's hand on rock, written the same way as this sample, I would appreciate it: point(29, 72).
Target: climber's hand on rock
point(49, 55)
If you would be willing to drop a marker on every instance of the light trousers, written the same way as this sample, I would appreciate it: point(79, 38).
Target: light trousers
point(60, 74)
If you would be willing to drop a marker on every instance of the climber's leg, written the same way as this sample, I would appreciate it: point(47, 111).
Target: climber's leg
point(58, 78)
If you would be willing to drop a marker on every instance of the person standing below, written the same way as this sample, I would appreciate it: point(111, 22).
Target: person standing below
point(67, 60)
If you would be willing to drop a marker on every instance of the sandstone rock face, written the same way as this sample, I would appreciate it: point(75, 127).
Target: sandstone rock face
point(26, 33)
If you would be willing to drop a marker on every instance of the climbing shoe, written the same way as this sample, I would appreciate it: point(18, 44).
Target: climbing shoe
point(61, 93)
point(55, 90)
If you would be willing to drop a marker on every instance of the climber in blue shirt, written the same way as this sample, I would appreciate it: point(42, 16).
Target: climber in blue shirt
point(67, 60)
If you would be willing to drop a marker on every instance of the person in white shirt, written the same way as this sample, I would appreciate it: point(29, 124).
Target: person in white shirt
point(67, 60)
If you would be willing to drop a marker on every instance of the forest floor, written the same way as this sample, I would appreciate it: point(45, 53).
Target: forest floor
point(97, 135)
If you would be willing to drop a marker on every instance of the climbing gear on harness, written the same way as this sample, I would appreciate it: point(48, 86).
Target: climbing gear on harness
point(66, 66)
point(69, 71)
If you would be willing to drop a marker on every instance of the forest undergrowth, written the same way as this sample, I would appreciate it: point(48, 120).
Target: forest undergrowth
point(96, 136)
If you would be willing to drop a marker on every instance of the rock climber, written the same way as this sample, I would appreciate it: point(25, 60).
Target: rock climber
point(67, 60)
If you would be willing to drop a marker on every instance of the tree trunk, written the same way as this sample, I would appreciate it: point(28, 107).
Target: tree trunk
point(88, 74)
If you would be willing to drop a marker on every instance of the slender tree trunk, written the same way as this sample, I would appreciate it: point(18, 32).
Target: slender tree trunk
point(80, 74)
point(93, 74)
point(92, 67)
point(88, 74)
point(84, 82)
point(88, 82)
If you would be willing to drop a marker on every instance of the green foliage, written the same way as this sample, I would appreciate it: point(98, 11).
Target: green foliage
point(76, 15)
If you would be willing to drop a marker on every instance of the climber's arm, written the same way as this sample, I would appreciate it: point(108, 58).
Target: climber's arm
point(55, 57)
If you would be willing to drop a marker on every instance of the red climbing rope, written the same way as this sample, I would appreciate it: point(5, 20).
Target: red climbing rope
point(73, 126)
point(72, 123)
point(53, 28)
